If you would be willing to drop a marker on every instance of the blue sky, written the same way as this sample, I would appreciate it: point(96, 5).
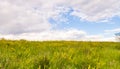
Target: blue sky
point(91, 20)
point(92, 28)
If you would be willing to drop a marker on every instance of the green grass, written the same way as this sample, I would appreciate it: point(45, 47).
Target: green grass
point(59, 55)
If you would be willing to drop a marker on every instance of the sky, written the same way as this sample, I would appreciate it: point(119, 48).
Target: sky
point(86, 20)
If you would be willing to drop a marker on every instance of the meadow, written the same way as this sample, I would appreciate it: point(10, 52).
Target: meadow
point(22, 54)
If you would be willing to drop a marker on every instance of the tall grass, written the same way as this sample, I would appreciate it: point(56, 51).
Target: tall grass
point(59, 55)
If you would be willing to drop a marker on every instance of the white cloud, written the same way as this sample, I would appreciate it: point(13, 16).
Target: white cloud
point(50, 35)
point(31, 17)
point(15, 19)
point(71, 34)
point(113, 30)
point(96, 10)
point(109, 35)
point(22, 16)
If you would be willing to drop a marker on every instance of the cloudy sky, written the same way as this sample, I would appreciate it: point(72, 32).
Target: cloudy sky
point(96, 20)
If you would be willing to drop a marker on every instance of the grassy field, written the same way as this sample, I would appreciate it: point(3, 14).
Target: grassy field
point(59, 55)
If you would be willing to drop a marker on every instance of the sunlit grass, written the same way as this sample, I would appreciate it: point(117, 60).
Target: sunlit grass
point(59, 55)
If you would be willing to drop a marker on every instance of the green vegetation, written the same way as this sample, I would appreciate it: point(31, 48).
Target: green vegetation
point(59, 55)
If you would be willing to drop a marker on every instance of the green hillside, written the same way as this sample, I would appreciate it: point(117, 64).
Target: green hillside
point(59, 55)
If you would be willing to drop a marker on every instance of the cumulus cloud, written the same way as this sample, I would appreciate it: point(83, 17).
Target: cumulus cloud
point(113, 30)
point(71, 34)
point(19, 16)
point(30, 17)
point(96, 10)
point(15, 19)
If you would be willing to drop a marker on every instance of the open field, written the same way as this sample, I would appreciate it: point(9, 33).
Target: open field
point(59, 55)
